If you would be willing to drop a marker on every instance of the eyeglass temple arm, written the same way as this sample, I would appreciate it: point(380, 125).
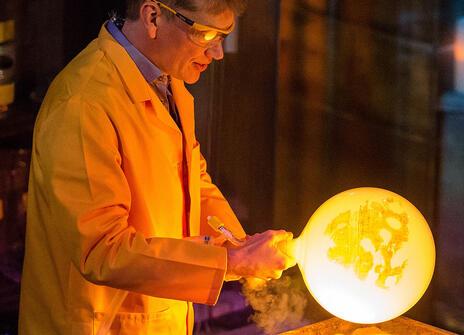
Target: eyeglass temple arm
point(191, 22)
point(179, 15)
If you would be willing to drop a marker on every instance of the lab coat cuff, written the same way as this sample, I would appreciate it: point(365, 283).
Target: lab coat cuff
point(218, 280)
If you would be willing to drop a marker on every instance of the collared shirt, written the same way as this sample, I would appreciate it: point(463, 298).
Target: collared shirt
point(159, 81)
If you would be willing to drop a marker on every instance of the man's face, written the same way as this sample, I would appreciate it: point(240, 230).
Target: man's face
point(175, 53)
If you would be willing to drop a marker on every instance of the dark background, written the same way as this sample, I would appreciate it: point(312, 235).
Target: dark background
point(321, 96)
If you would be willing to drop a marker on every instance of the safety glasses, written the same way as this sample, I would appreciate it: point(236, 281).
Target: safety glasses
point(201, 35)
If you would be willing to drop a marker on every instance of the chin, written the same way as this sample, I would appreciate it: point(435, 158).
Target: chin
point(191, 79)
point(188, 77)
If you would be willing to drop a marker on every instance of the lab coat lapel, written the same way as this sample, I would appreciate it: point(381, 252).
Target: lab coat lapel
point(162, 113)
point(136, 85)
point(130, 74)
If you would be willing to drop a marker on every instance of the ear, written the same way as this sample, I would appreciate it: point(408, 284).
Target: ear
point(149, 13)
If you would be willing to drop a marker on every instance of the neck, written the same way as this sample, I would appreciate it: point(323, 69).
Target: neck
point(134, 33)
point(137, 35)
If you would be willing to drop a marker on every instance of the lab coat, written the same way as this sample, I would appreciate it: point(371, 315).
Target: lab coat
point(106, 202)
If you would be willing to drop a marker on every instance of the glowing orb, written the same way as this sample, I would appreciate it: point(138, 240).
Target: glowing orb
point(367, 255)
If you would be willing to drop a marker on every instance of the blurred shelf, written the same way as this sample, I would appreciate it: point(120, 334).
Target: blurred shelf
point(452, 102)
point(17, 124)
point(9, 305)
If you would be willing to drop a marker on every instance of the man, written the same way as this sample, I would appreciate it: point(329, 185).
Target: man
point(119, 194)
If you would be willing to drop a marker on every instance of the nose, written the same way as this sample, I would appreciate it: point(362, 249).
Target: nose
point(216, 51)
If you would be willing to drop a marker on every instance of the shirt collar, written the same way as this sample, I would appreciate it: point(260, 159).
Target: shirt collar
point(149, 70)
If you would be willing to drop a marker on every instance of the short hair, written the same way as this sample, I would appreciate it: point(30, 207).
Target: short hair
point(209, 6)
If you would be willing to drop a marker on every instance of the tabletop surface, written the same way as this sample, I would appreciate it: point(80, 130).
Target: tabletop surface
point(399, 326)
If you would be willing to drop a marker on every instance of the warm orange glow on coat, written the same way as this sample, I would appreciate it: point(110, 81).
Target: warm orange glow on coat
point(106, 203)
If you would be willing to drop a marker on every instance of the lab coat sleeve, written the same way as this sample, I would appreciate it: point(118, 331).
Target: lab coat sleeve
point(213, 203)
point(89, 197)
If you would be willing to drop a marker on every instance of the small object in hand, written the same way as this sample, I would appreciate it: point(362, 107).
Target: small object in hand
point(217, 225)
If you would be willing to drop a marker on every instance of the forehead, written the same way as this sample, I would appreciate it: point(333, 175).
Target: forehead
point(222, 20)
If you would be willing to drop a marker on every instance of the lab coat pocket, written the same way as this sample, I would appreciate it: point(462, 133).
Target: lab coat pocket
point(136, 323)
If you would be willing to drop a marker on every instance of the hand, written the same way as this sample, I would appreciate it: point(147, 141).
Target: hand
point(260, 256)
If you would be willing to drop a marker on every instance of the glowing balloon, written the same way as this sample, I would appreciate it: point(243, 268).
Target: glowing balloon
point(367, 255)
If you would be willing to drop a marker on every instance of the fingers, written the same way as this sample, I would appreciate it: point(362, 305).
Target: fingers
point(274, 238)
point(280, 239)
point(276, 275)
point(260, 256)
point(281, 235)
point(277, 242)
point(289, 262)
point(270, 236)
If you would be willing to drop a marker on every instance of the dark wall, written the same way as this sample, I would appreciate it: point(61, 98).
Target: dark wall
point(362, 85)
point(235, 112)
point(51, 32)
point(83, 20)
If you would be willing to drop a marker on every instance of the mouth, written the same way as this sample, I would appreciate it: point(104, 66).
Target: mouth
point(200, 67)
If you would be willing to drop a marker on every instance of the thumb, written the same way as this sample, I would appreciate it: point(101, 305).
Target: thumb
point(281, 240)
point(282, 235)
